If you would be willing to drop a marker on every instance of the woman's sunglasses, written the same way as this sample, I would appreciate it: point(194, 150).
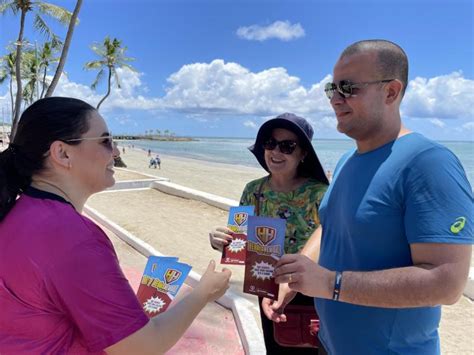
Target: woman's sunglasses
point(107, 141)
point(346, 87)
point(286, 146)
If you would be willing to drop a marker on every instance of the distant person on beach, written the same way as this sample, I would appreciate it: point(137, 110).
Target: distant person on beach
point(152, 163)
point(61, 287)
point(294, 188)
point(158, 161)
point(149, 152)
point(396, 220)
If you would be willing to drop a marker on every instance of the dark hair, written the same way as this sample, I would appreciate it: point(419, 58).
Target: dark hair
point(45, 121)
point(392, 61)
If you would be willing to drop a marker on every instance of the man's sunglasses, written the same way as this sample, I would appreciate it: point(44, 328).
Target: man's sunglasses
point(107, 141)
point(286, 146)
point(346, 87)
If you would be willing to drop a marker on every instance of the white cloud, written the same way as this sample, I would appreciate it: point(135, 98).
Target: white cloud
point(437, 122)
point(250, 124)
point(324, 122)
point(209, 92)
point(445, 96)
point(128, 97)
point(221, 88)
point(282, 30)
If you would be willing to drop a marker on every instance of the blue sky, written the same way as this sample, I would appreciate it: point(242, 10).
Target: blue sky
point(221, 68)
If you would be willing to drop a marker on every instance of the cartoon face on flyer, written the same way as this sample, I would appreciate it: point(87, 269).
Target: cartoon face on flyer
point(238, 218)
point(160, 283)
point(265, 245)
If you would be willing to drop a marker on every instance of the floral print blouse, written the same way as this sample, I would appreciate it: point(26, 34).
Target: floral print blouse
point(299, 207)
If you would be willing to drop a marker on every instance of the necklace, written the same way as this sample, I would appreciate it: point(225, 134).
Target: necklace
point(65, 195)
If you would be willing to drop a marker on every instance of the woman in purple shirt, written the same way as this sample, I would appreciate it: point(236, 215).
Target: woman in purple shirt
point(61, 287)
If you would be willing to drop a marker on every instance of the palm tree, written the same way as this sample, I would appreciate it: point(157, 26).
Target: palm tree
point(46, 57)
point(62, 60)
point(38, 8)
point(30, 72)
point(7, 70)
point(112, 56)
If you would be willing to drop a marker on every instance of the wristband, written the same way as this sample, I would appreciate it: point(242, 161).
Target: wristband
point(337, 286)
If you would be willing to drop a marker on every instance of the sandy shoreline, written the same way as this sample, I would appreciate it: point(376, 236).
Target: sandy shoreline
point(225, 180)
point(179, 227)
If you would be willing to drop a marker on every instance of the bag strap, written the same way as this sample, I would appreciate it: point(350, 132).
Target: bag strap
point(258, 195)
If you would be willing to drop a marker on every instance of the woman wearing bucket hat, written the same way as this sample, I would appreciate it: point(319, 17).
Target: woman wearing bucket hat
point(293, 190)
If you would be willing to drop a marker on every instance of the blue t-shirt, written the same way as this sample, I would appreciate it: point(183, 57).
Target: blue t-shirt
point(411, 190)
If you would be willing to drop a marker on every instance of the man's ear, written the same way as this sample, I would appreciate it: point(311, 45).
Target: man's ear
point(393, 91)
point(60, 154)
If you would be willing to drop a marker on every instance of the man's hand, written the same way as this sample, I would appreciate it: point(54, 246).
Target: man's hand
point(274, 310)
point(304, 275)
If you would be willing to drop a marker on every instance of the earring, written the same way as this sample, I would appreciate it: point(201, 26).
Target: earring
point(302, 161)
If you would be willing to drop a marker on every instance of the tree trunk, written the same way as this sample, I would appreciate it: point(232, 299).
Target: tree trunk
point(11, 97)
point(67, 42)
point(18, 75)
point(108, 89)
point(43, 81)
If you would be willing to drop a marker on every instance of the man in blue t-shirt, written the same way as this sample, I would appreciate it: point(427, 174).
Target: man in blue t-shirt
point(396, 221)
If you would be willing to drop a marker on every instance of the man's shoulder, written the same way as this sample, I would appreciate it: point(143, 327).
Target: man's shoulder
point(419, 149)
point(416, 142)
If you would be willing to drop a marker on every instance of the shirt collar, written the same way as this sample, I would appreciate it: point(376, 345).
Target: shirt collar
point(44, 195)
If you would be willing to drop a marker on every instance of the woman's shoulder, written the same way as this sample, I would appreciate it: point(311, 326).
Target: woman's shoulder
point(54, 219)
point(312, 190)
point(255, 184)
point(315, 185)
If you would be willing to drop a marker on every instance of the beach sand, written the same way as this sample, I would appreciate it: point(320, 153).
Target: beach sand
point(179, 227)
point(219, 179)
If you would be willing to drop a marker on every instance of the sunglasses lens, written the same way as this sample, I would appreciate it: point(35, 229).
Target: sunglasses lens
point(345, 88)
point(269, 144)
point(287, 147)
point(329, 89)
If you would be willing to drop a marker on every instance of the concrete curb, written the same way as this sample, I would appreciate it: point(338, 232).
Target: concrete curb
point(154, 177)
point(250, 334)
point(131, 184)
point(186, 192)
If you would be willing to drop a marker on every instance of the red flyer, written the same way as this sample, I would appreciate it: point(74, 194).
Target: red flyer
point(265, 246)
point(235, 251)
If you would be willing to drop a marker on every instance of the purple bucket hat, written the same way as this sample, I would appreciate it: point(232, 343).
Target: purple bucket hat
point(311, 166)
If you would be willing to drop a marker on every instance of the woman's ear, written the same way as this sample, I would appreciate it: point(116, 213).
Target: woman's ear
point(304, 154)
point(59, 153)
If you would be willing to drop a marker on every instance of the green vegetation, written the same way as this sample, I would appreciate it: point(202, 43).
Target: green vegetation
point(112, 56)
point(38, 9)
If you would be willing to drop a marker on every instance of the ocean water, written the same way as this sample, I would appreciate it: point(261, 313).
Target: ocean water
point(234, 151)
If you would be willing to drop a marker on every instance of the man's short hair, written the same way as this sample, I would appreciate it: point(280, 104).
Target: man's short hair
point(392, 61)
